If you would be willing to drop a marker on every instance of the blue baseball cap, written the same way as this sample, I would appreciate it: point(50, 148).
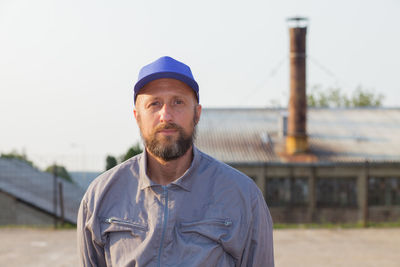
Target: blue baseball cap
point(166, 67)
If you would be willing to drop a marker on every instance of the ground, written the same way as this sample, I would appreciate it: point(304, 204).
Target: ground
point(293, 247)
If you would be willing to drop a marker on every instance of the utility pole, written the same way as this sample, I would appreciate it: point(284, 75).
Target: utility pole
point(55, 173)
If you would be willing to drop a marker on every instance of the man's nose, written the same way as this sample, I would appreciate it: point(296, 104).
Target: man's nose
point(165, 113)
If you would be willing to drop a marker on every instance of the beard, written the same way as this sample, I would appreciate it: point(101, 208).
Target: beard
point(169, 147)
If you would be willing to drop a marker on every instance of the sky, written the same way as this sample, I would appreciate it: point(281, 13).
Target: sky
point(67, 68)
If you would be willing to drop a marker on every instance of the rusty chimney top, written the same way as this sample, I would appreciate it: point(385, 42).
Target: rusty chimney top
point(296, 140)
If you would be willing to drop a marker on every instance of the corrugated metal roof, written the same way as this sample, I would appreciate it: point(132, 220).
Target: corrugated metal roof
point(36, 188)
point(236, 135)
point(335, 134)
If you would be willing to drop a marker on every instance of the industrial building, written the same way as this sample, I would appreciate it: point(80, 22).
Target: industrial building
point(312, 165)
point(350, 171)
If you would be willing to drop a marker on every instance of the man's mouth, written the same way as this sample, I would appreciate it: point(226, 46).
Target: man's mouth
point(167, 129)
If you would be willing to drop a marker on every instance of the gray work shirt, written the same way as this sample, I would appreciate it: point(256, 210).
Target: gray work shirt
point(211, 216)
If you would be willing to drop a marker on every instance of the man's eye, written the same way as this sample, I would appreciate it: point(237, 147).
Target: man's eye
point(178, 102)
point(155, 103)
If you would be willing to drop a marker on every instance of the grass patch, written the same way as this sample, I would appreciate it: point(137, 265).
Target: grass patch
point(384, 224)
point(65, 226)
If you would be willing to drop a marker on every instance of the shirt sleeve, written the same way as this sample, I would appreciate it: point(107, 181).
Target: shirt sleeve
point(259, 250)
point(90, 253)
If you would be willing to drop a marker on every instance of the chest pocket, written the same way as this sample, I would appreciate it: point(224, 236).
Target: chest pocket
point(116, 225)
point(215, 230)
point(122, 236)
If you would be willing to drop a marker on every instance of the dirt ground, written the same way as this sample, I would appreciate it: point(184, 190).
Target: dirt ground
point(294, 247)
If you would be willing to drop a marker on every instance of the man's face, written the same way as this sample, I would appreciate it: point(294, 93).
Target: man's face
point(167, 114)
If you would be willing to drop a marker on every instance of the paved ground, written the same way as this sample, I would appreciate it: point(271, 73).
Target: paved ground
point(353, 248)
point(311, 248)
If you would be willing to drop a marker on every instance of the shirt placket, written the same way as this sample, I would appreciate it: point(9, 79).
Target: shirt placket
point(164, 201)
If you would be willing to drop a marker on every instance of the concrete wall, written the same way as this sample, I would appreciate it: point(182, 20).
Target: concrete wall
point(310, 212)
point(387, 214)
point(15, 212)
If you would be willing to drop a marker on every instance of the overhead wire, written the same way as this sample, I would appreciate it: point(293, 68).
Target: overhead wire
point(325, 69)
point(272, 73)
point(264, 81)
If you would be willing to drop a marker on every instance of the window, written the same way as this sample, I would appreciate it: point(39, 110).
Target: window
point(286, 191)
point(383, 191)
point(336, 192)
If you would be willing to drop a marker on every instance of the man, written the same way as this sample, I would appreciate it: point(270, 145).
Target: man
point(172, 205)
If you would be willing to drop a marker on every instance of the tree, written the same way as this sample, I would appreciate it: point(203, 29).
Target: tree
point(111, 162)
point(60, 171)
point(364, 98)
point(333, 97)
point(15, 155)
point(132, 151)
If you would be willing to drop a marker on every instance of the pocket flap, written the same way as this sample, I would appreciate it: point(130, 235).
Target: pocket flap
point(114, 224)
point(214, 229)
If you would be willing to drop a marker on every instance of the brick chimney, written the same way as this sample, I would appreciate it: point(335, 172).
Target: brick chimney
point(296, 140)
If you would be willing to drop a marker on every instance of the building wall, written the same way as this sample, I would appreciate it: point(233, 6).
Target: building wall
point(15, 212)
point(336, 193)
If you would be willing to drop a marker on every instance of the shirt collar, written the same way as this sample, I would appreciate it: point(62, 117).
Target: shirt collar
point(185, 181)
point(144, 180)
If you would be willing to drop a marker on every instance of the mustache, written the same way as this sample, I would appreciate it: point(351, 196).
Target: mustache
point(166, 126)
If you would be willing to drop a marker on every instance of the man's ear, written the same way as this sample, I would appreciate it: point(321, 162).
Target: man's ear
point(135, 113)
point(198, 113)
